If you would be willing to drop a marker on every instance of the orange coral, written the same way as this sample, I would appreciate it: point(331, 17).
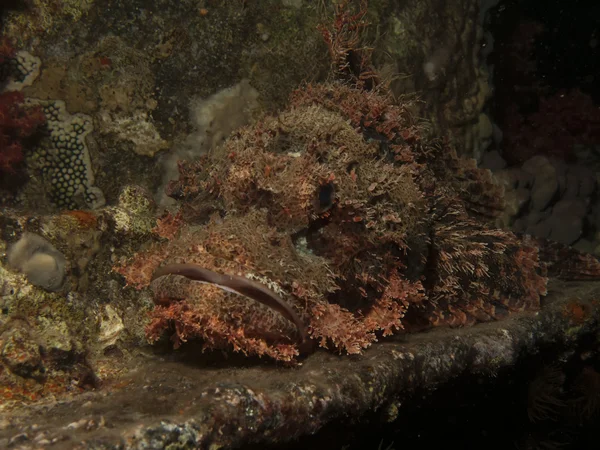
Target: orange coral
point(577, 311)
point(85, 219)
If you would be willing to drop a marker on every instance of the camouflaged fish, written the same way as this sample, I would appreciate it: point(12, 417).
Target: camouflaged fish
point(335, 223)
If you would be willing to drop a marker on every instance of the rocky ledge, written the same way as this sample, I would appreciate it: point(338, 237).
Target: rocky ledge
point(195, 400)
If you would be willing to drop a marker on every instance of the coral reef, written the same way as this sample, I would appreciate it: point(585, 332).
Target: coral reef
point(63, 322)
point(42, 350)
point(127, 100)
point(339, 217)
point(18, 68)
point(135, 86)
point(41, 16)
point(19, 122)
point(64, 158)
point(135, 212)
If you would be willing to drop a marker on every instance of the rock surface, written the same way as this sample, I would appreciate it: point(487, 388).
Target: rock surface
point(198, 401)
point(550, 199)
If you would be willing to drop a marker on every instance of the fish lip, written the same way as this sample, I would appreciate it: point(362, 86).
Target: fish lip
point(241, 286)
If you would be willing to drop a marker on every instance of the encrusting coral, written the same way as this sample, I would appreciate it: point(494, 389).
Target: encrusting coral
point(341, 207)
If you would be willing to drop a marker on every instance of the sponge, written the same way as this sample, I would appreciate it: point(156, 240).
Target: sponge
point(39, 260)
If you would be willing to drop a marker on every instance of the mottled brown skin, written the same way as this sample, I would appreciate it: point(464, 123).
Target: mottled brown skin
point(242, 286)
point(402, 245)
